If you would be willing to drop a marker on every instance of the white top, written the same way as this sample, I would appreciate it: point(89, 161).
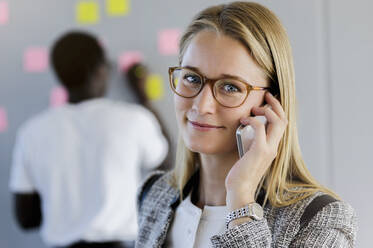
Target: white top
point(83, 160)
point(193, 227)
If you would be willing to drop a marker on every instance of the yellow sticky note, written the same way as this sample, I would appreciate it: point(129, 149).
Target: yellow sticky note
point(117, 7)
point(87, 12)
point(154, 87)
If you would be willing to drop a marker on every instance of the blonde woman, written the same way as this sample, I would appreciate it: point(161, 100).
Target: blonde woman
point(234, 59)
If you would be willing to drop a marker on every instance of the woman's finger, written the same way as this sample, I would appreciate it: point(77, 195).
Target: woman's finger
point(275, 104)
point(275, 128)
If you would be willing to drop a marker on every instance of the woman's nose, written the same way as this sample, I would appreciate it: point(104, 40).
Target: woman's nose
point(205, 102)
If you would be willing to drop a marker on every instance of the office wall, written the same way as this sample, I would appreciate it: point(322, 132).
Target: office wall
point(332, 45)
point(350, 84)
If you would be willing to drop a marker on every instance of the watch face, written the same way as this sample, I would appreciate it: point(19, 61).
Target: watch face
point(257, 211)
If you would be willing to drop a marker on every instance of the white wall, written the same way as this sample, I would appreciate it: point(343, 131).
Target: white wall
point(351, 91)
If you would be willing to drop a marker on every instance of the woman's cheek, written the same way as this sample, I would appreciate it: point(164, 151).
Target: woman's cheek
point(181, 108)
point(177, 105)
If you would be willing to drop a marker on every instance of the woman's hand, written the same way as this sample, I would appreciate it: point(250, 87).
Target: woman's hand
point(245, 175)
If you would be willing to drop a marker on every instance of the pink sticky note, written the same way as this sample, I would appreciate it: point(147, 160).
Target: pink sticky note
point(3, 120)
point(35, 59)
point(58, 96)
point(168, 41)
point(129, 58)
point(4, 13)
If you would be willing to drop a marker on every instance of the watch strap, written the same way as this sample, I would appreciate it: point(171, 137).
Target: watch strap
point(246, 211)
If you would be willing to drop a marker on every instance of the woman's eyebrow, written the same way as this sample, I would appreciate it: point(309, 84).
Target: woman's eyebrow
point(221, 76)
point(192, 68)
point(234, 77)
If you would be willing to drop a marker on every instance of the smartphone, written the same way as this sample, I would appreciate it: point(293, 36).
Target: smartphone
point(245, 136)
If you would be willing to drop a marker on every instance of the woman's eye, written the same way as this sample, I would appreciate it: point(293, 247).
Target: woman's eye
point(230, 88)
point(192, 79)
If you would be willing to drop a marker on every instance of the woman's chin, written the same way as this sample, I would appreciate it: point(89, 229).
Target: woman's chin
point(208, 144)
point(206, 147)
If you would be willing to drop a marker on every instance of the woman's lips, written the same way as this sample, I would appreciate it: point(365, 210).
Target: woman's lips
point(203, 126)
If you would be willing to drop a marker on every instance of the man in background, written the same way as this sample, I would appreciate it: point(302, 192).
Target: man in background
point(76, 168)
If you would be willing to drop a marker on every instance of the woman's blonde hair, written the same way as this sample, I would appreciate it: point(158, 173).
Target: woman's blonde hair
point(261, 32)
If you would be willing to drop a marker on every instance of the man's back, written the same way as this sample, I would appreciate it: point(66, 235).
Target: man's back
point(83, 160)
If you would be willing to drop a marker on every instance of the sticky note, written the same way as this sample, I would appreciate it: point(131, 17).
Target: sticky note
point(154, 87)
point(3, 120)
point(87, 12)
point(168, 41)
point(35, 59)
point(58, 96)
point(4, 13)
point(117, 7)
point(127, 59)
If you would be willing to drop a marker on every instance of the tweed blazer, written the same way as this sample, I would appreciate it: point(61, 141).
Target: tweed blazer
point(335, 225)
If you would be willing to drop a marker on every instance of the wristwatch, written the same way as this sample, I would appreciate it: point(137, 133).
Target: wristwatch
point(252, 210)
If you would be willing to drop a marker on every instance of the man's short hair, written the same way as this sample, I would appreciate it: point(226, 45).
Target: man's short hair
point(75, 58)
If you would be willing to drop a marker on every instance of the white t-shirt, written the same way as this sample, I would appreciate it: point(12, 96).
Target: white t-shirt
point(83, 159)
point(193, 227)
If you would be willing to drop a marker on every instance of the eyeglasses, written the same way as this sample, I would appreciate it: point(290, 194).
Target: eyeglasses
point(228, 92)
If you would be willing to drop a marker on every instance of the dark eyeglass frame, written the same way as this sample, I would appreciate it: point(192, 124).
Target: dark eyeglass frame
point(206, 80)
